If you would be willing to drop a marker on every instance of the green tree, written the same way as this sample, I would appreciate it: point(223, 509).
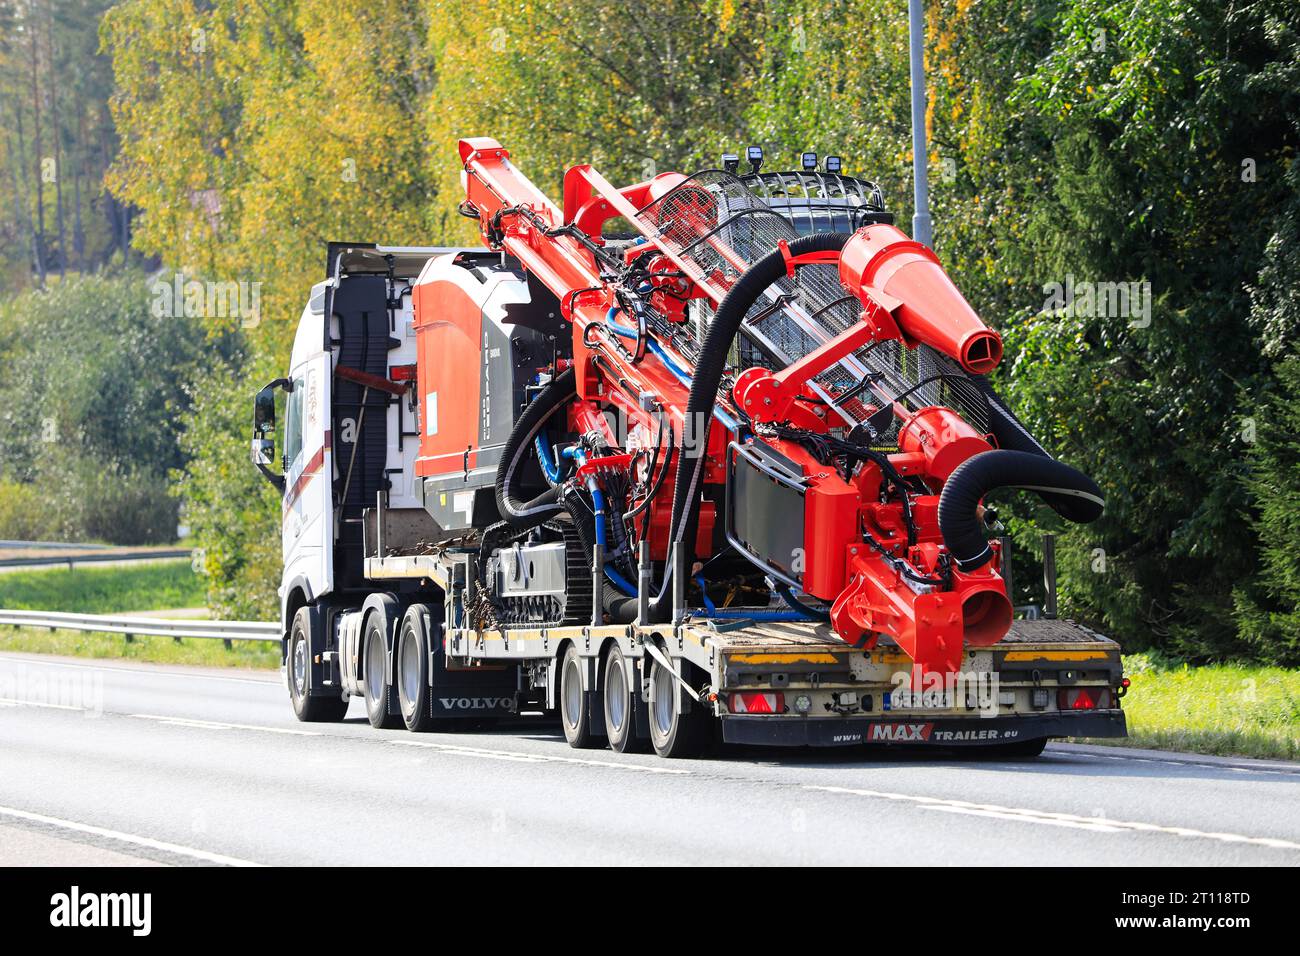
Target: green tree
point(91, 398)
point(1154, 121)
point(232, 512)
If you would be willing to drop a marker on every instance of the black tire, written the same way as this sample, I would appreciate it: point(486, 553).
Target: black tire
point(676, 732)
point(575, 704)
point(306, 707)
point(622, 701)
point(413, 669)
point(376, 678)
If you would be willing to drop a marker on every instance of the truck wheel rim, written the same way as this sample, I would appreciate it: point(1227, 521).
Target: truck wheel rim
point(663, 691)
point(375, 666)
point(615, 693)
point(572, 693)
point(410, 668)
point(300, 666)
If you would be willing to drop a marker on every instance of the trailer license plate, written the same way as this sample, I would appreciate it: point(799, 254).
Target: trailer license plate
point(907, 699)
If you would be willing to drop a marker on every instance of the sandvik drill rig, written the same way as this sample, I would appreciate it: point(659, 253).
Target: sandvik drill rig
point(708, 446)
point(829, 430)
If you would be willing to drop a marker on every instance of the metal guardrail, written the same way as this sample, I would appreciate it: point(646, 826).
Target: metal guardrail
point(10, 544)
point(142, 626)
point(96, 556)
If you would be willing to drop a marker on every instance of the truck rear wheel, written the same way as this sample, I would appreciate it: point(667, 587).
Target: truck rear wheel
point(377, 681)
point(621, 704)
point(575, 704)
point(413, 670)
point(676, 731)
point(308, 708)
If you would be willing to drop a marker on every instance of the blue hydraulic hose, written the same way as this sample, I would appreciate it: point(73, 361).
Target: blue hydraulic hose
point(598, 506)
point(597, 496)
point(620, 582)
point(797, 611)
point(662, 355)
point(550, 469)
point(598, 502)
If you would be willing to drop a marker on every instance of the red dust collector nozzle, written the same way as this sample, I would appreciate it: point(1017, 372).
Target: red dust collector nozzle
point(922, 299)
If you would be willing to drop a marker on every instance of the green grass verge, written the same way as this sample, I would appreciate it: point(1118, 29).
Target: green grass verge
point(1224, 709)
point(114, 590)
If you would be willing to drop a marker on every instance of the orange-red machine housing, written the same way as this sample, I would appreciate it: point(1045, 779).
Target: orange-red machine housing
point(449, 342)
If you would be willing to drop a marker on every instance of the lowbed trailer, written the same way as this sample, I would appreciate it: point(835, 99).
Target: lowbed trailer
point(513, 479)
point(780, 683)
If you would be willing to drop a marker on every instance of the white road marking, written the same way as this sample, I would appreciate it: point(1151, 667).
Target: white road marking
point(1024, 815)
point(1047, 821)
point(535, 758)
point(1293, 774)
point(15, 702)
point(130, 838)
point(222, 725)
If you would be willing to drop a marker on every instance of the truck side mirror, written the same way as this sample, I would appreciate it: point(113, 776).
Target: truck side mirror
point(262, 451)
point(264, 412)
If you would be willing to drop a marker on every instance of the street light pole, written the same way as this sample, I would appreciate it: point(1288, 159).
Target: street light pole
point(922, 227)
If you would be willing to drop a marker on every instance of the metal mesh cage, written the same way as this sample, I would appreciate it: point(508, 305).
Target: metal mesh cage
point(818, 201)
point(719, 228)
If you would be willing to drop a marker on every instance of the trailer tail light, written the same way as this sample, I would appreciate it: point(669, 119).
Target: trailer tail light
point(1083, 698)
point(402, 373)
point(757, 703)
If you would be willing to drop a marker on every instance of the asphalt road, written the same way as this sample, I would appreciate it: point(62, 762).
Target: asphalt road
point(115, 763)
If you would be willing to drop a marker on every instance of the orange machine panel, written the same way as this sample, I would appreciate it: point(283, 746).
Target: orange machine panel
point(448, 337)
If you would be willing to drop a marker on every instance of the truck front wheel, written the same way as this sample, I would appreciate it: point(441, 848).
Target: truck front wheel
point(306, 707)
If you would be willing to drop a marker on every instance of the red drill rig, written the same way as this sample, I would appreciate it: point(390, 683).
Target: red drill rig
point(704, 455)
point(761, 386)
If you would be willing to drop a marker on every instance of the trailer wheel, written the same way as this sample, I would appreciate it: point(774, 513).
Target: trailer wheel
point(413, 670)
point(676, 731)
point(377, 681)
point(575, 704)
point(621, 704)
point(307, 708)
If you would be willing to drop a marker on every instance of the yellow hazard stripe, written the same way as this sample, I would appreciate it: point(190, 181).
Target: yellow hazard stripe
point(1096, 655)
point(801, 658)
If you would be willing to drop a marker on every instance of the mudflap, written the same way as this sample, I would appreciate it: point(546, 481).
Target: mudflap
point(937, 732)
point(323, 667)
point(472, 692)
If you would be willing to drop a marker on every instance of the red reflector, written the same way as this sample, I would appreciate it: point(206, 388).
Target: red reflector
point(1083, 698)
point(757, 704)
point(402, 373)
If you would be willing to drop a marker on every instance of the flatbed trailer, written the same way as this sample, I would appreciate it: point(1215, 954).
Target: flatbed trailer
point(779, 683)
